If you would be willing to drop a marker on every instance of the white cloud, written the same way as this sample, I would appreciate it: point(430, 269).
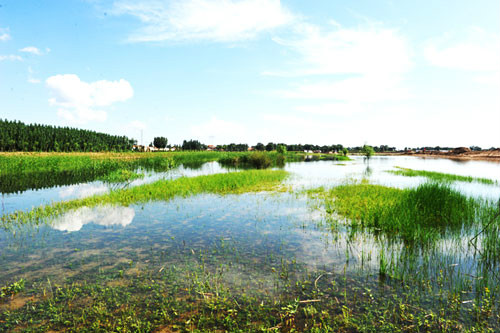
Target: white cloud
point(476, 51)
point(31, 49)
point(217, 131)
point(213, 20)
point(4, 35)
point(80, 102)
point(365, 64)
point(34, 50)
point(363, 50)
point(11, 57)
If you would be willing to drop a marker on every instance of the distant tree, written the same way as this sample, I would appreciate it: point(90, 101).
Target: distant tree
point(281, 148)
point(368, 151)
point(344, 151)
point(193, 145)
point(260, 146)
point(17, 136)
point(270, 146)
point(160, 142)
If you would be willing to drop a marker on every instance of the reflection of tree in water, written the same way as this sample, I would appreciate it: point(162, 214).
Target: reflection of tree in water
point(20, 182)
point(368, 171)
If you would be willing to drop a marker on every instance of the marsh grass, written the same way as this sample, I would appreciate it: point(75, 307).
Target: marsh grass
point(256, 159)
point(420, 214)
point(235, 182)
point(439, 176)
point(22, 171)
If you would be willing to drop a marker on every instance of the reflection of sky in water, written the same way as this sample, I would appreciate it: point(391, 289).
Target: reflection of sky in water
point(256, 228)
point(82, 191)
point(304, 175)
point(328, 173)
point(33, 198)
point(104, 215)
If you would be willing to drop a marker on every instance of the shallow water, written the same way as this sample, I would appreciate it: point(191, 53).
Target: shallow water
point(32, 198)
point(257, 238)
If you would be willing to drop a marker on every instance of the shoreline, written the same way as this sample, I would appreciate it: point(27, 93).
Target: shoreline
point(485, 155)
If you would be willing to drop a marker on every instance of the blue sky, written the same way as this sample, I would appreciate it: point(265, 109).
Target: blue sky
point(402, 73)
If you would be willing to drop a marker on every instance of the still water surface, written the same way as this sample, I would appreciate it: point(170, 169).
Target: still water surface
point(261, 230)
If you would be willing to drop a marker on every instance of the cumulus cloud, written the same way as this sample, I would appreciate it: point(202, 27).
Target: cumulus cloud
point(478, 50)
point(212, 20)
point(80, 102)
point(104, 215)
point(31, 49)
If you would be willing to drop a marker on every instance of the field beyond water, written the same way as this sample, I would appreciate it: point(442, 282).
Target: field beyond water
point(248, 242)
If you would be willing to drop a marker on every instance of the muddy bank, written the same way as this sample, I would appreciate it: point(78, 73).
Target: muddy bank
point(461, 154)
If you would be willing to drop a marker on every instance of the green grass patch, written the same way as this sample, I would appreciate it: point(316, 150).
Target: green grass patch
point(418, 214)
point(439, 176)
point(235, 182)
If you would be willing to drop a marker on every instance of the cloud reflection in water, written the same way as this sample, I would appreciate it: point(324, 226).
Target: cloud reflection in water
point(103, 215)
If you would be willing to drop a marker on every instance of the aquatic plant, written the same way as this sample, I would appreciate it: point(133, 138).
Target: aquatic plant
point(235, 182)
point(415, 214)
point(12, 289)
point(257, 159)
point(439, 176)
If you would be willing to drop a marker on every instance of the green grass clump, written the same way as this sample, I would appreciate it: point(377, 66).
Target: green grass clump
point(235, 182)
point(439, 176)
point(420, 214)
point(257, 159)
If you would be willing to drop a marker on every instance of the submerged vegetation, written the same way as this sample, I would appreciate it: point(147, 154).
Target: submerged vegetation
point(439, 176)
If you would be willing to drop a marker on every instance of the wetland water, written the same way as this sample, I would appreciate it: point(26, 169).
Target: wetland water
point(262, 247)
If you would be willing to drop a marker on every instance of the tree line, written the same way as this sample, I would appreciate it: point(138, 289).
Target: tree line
point(18, 136)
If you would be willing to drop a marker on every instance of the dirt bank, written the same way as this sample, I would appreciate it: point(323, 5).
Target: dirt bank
point(462, 154)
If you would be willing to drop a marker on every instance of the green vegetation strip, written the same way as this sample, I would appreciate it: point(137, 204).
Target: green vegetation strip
point(235, 182)
point(417, 214)
point(439, 176)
